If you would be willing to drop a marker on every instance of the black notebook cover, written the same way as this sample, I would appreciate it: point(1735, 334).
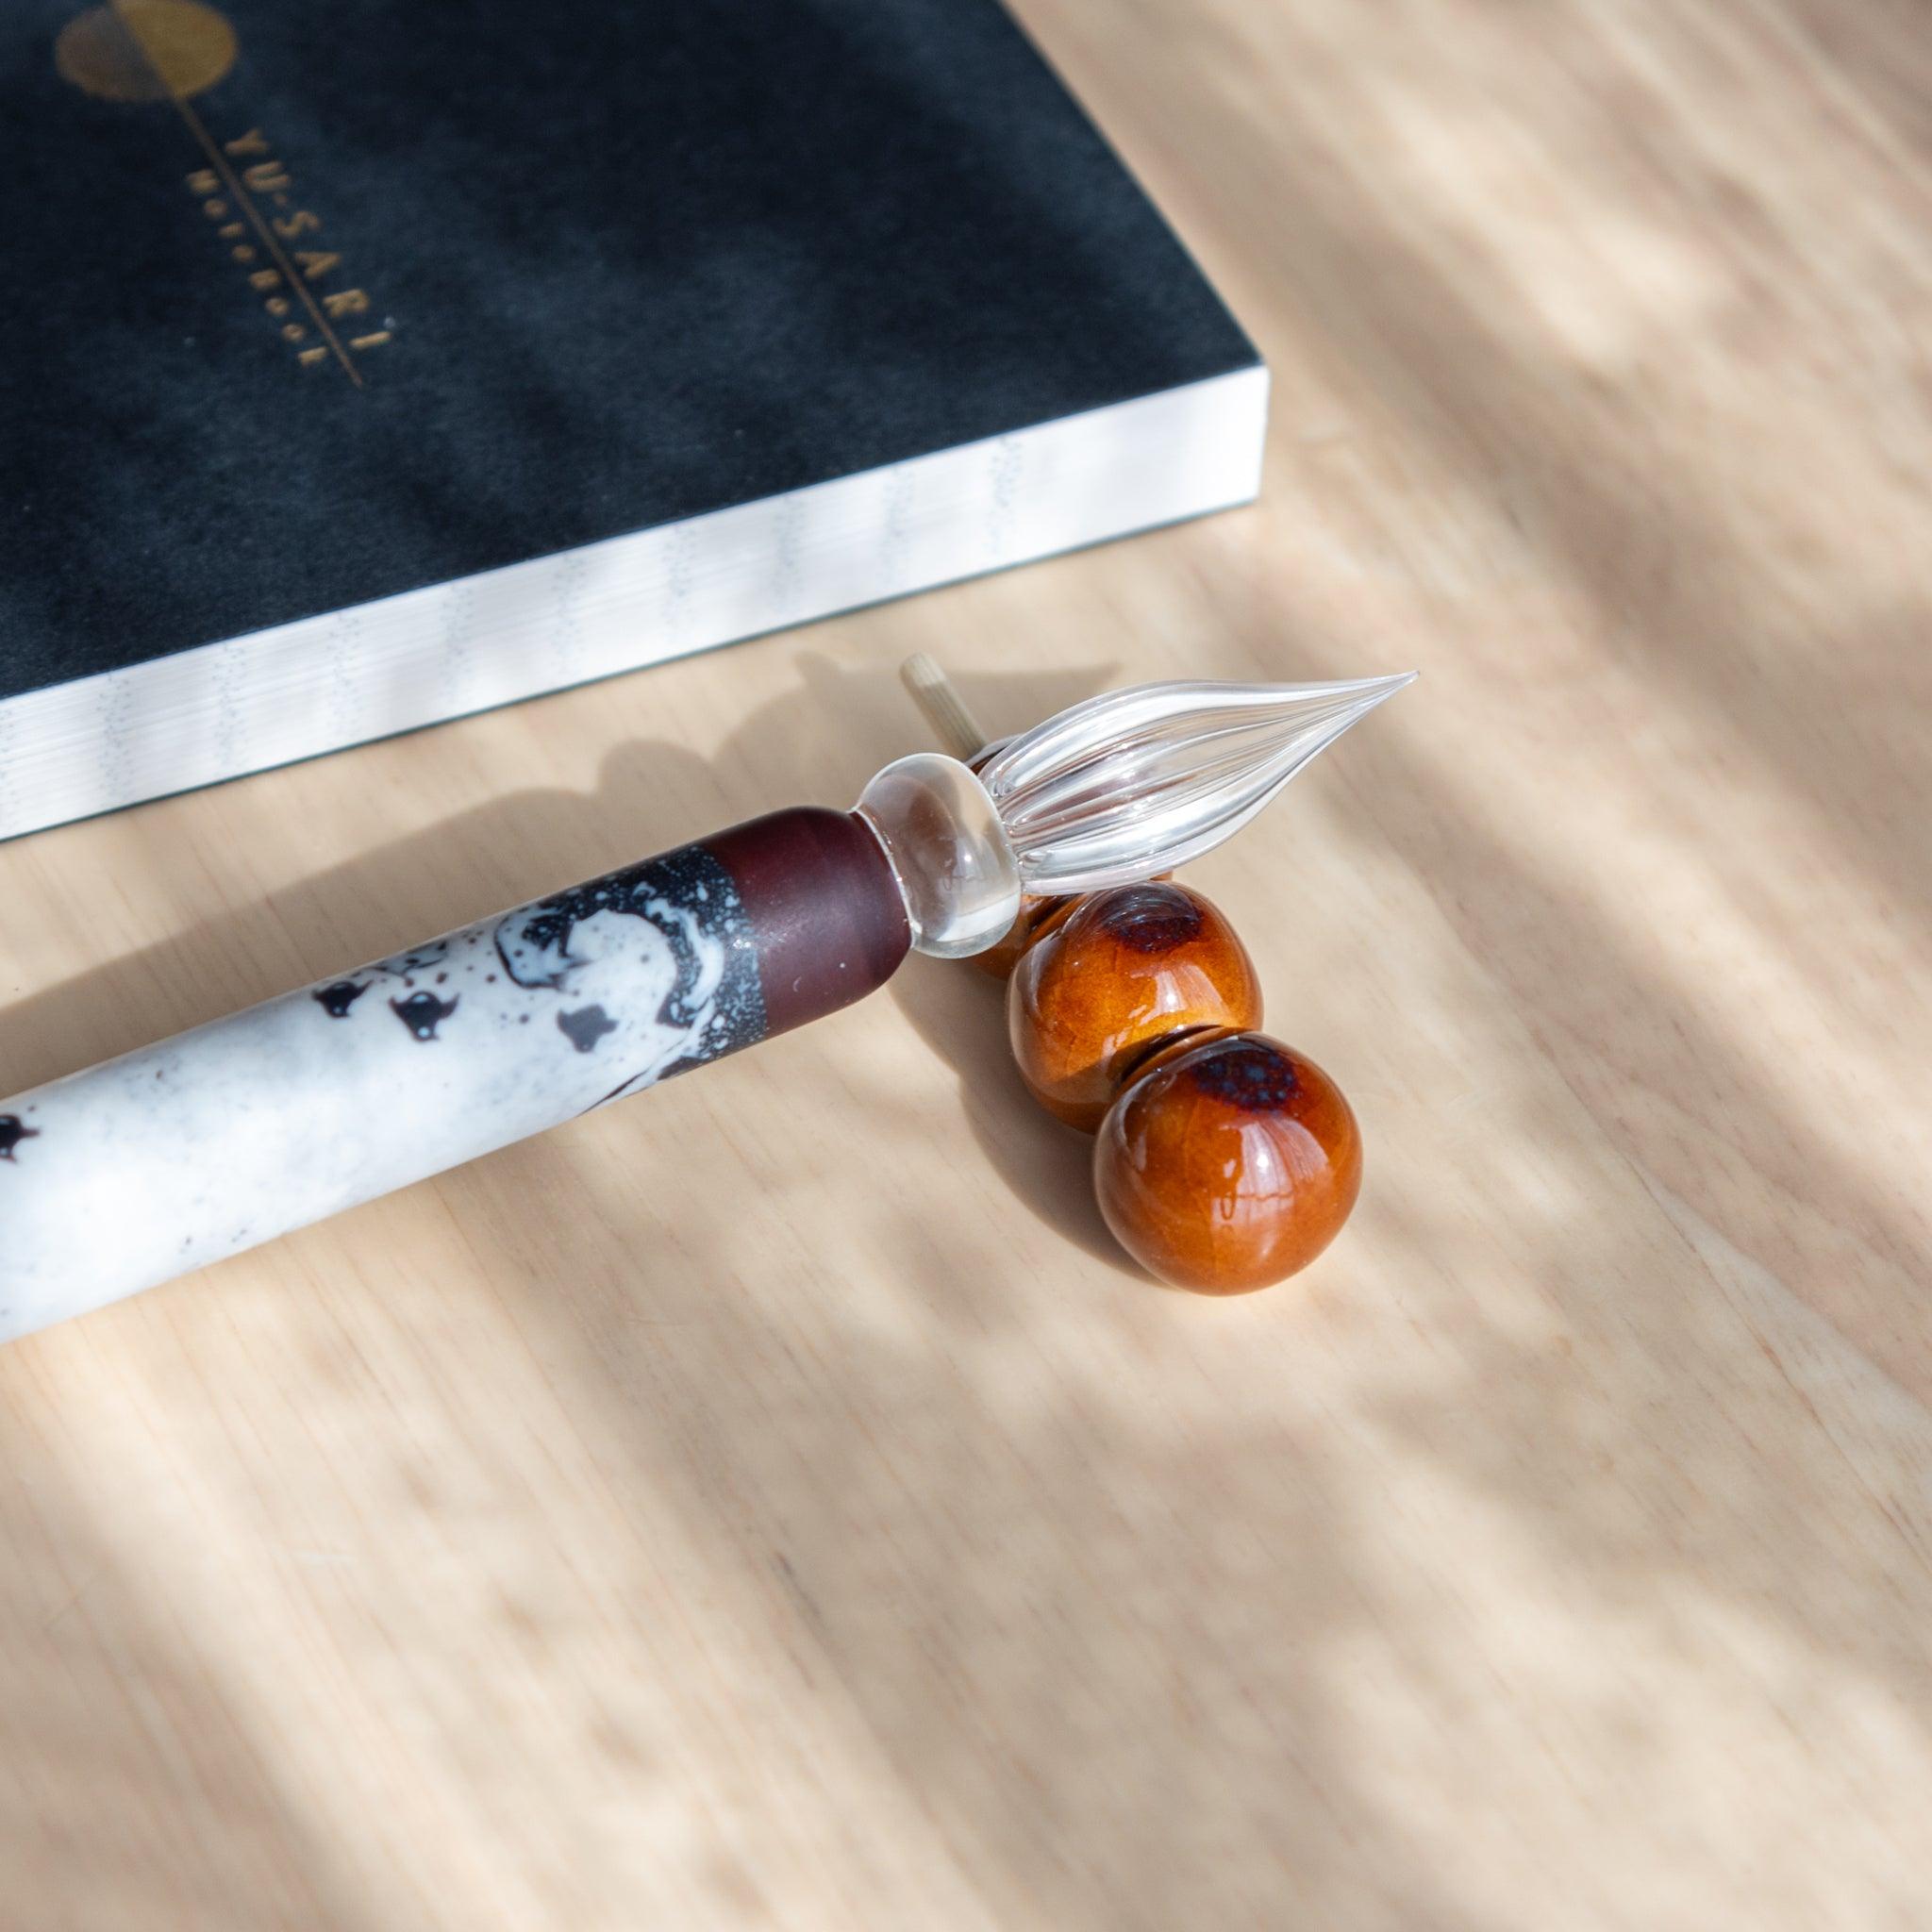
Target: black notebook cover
point(311, 304)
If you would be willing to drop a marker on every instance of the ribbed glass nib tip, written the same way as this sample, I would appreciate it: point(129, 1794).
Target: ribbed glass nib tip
point(1136, 782)
point(1118, 789)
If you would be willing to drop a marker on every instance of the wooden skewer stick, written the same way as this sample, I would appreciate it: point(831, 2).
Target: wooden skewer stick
point(943, 709)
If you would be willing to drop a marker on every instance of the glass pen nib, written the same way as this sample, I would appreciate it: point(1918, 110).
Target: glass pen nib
point(1137, 782)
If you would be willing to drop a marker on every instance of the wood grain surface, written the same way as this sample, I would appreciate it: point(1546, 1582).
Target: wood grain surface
point(772, 1503)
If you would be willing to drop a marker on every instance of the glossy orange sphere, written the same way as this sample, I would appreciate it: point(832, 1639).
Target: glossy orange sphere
point(1229, 1162)
point(1101, 982)
point(1038, 911)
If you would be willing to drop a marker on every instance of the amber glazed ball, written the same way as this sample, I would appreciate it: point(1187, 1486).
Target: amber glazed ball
point(1036, 913)
point(1229, 1162)
point(1102, 981)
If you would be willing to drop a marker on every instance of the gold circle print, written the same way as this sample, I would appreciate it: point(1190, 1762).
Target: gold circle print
point(145, 50)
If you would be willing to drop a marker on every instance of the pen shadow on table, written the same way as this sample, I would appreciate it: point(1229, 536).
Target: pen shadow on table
point(650, 796)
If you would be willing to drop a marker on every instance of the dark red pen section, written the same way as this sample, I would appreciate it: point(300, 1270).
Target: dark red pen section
point(825, 915)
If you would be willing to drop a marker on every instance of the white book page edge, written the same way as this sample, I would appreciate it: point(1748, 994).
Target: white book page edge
point(222, 711)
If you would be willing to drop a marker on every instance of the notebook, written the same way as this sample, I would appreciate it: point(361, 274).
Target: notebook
point(368, 364)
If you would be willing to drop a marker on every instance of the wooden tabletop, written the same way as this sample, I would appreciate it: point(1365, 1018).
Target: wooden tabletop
point(772, 1503)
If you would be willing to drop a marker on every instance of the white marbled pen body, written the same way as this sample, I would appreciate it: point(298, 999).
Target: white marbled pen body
point(182, 1153)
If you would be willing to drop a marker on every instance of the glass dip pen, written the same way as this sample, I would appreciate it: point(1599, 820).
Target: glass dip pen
point(181, 1153)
